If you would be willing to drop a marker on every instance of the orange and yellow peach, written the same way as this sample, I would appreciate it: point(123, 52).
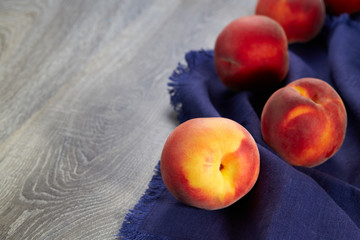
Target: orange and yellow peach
point(338, 7)
point(209, 163)
point(302, 20)
point(304, 122)
point(251, 52)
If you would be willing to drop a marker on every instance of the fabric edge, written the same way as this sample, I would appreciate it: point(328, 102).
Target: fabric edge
point(134, 218)
point(174, 91)
point(179, 76)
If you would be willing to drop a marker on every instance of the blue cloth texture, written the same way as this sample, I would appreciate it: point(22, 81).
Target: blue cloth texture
point(286, 202)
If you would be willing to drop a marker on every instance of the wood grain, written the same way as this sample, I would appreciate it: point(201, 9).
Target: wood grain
point(84, 108)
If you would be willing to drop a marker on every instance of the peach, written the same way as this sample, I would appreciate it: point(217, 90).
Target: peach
point(304, 122)
point(251, 52)
point(302, 20)
point(338, 7)
point(209, 163)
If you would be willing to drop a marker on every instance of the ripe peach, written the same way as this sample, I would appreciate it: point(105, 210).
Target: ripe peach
point(251, 52)
point(209, 163)
point(338, 7)
point(302, 20)
point(304, 122)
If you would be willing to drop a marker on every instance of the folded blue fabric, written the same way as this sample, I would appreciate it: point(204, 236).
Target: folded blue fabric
point(286, 202)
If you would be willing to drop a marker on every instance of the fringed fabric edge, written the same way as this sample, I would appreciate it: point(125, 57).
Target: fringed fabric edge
point(174, 89)
point(135, 217)
point(179, 77)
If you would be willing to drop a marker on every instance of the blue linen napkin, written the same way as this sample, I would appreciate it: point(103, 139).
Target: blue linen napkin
point(286, 202)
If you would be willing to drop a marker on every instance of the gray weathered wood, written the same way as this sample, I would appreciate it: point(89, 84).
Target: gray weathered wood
point(84, 108)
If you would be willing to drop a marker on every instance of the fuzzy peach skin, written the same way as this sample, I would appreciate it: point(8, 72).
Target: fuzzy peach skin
point(251, 52)
point(302, 20)
point(209, 163)
point(304, 122)
point(338, 7)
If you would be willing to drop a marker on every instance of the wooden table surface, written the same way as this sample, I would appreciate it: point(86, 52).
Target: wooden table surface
point(84, 107)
